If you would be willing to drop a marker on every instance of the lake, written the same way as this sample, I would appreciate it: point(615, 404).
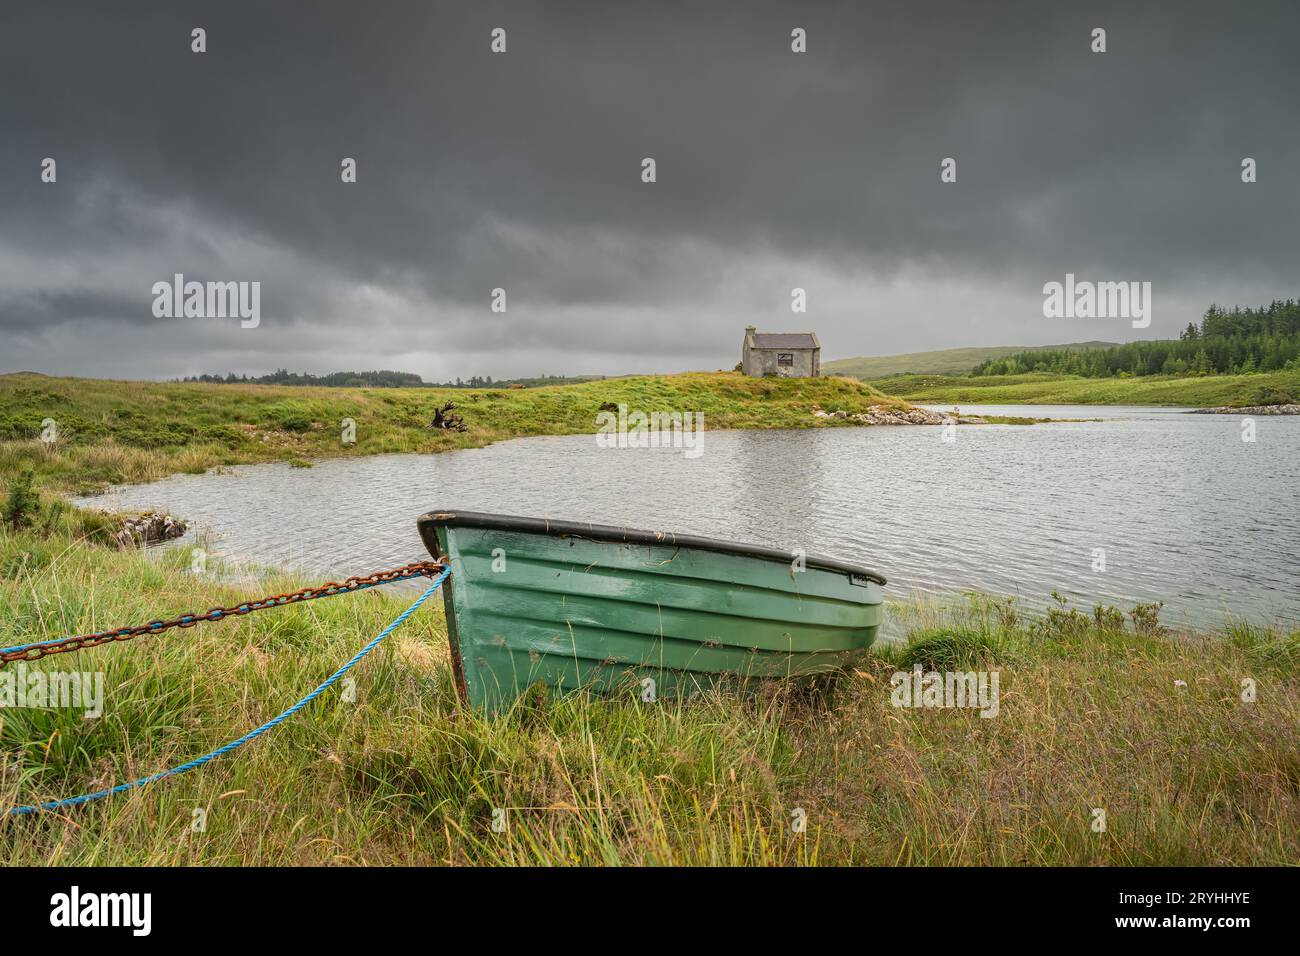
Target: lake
point(1182, 509)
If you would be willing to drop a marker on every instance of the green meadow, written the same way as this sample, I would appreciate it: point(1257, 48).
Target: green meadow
point(1046, 388)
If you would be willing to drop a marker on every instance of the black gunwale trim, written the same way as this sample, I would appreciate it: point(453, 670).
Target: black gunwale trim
point(428, 523)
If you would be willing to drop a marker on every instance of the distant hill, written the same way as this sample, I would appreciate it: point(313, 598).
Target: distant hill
point(941, 362)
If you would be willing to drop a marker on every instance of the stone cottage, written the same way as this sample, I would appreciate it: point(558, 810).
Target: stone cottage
point(784, 354)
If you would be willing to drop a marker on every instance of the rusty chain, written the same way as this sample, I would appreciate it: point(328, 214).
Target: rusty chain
point(35, 651)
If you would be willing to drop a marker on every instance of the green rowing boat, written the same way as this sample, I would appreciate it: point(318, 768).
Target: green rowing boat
point(656, 614)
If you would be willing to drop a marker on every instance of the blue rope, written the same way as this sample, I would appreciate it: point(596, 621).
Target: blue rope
point(252, 734)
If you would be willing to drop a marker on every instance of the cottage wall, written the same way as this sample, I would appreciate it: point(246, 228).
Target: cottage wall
point(763, 362)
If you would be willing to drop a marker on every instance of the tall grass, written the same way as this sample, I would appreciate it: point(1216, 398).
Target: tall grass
point(1091, 717)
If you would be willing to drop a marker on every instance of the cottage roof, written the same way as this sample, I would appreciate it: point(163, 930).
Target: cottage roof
point(784, 340)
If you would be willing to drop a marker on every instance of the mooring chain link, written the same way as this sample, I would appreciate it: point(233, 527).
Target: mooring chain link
point(33, 652)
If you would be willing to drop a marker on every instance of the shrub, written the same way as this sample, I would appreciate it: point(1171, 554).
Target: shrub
point(225, 435)
point(294, 423)
point(1146, 618)
point(1108, 618)
point(288, 416)
point(153, 435)
point(12, 427)
point(1062, 620)
point(1271, 395)
point(23, 500)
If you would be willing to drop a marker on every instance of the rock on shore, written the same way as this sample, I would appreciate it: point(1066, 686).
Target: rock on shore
point(1249, 410)
point(149, 528)
point(885, 415)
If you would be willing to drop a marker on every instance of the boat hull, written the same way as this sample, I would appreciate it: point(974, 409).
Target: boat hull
point(581, 606)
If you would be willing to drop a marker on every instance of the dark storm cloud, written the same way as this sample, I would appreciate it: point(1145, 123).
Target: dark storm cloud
point(521, 170)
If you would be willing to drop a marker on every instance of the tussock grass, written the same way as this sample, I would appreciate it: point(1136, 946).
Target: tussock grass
point(1266, 647)
point(1090, 717)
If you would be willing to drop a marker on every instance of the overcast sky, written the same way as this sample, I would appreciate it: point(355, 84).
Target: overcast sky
point(522, 170)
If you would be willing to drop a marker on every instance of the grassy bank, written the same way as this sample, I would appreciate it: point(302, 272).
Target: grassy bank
point(1041, 388)
point(1091, 716)
point(138, 431)
point(938, 362)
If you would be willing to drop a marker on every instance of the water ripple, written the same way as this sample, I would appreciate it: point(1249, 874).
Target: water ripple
point(1185, 511)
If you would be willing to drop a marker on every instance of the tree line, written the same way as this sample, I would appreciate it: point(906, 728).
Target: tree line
point(378, 379)
point(1226, 342)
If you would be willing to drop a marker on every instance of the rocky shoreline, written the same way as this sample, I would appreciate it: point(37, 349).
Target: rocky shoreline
point(885, 415)
point(148, 528)
point(1249, 410)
